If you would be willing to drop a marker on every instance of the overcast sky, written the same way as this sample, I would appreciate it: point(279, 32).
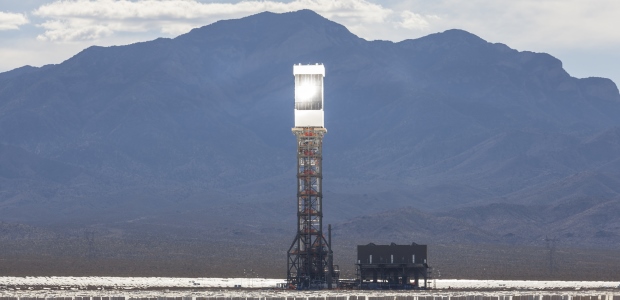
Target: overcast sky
point(584, 34)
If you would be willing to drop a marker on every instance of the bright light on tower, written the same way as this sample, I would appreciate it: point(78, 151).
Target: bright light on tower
point(305, 93)
point(309, 95)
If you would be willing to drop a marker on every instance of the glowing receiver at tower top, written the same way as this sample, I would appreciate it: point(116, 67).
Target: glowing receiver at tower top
point(309, 95)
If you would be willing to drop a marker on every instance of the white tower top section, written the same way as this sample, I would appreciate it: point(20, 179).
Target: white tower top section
point(308, 69)
point(309, 95)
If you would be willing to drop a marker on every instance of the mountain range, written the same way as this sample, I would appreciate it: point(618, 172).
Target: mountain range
point(441, 139)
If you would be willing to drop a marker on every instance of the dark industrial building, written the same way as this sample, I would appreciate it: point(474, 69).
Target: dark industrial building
point(310, 262)
point(392, 266)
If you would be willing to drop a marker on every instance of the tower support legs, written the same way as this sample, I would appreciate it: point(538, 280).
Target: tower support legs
point(309, 265)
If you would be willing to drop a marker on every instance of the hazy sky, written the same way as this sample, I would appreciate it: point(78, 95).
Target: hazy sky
point(584, 34)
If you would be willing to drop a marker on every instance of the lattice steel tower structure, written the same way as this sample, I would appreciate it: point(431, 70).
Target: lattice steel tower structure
point(309, 263)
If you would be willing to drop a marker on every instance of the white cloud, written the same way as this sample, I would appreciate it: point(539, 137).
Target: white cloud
point(529, 24)
point(11, 21)
point(71, 30)
point(72, 20)
point(411, 20)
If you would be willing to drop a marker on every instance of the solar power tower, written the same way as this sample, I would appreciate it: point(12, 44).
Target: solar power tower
point(309, 262)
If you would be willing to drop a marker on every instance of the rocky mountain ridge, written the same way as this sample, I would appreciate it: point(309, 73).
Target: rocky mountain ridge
point(177, 133)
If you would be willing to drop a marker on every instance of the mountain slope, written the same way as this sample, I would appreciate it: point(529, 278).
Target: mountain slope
point(185, 124)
